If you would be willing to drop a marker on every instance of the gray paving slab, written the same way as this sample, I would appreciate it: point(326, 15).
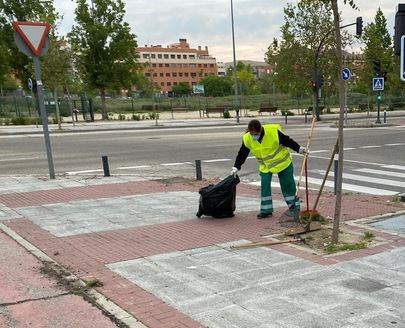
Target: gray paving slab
point(222, 287)
point(7, 213)
point(35, 183)
point(366, 269)
point(79, 217)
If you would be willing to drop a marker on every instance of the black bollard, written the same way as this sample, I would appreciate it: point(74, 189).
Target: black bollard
point(198, 169)
point(106, 167)
point(306, 119)
point(285, 114)
point(385, 116)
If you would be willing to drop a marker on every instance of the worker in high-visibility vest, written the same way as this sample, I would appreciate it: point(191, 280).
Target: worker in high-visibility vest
point(270, 147)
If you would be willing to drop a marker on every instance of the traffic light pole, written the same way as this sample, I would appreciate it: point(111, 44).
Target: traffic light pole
point(378, 108)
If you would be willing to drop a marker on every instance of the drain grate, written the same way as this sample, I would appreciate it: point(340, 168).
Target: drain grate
point(394, 223)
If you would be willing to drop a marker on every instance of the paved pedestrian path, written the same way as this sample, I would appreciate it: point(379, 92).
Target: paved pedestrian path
point(140, 239)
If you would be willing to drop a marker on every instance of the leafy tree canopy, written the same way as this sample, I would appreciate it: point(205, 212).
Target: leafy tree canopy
point(215, 86)
point(104, 46)
point(16, 10)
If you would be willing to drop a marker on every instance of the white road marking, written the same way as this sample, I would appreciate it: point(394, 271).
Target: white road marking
point(318, 151)
point(349, 160)
point(216, 160)
point(367, 147)
point(133, 167)
point(395, 144)
point(174, 164)
point(16, 159)
point(395, 167)
point(386, 182)
point(349, 148)
point(345, 186)
point(84, 171)
point(381, 172)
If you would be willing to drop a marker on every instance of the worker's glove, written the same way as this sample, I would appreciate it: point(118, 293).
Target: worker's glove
point(234, 170)
point(302, 150)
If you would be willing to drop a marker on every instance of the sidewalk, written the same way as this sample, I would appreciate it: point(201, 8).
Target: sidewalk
point(141, 245)
point(191, 119)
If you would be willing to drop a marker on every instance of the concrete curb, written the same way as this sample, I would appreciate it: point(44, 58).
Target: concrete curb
point(167, 124)
point(96, 298)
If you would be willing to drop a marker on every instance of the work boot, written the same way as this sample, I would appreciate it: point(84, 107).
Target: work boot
point(264, 215)
point(293, 212)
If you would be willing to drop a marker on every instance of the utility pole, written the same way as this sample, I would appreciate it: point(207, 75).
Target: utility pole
point(235, 100)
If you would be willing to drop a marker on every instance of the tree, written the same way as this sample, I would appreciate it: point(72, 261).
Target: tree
point(181, 89)
point(57, 69)
point(293, 56)
point(215, 86)
point(15, 10)
point(340, 142)
point(378, 46)
point(104, 46)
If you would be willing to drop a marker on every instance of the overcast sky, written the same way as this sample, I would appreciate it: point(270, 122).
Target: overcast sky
point(208, 22)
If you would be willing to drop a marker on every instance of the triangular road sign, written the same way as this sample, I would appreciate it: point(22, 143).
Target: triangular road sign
point(33, 34)
point(377, 84)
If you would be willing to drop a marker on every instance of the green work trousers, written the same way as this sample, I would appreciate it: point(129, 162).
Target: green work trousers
point(288, 189)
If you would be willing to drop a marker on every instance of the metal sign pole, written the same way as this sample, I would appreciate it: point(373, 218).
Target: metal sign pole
point(40, 95)
point(378, 109)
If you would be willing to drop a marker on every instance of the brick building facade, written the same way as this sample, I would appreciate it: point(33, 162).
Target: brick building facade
point(168, 66)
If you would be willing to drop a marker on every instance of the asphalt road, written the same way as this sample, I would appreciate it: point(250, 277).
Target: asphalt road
point(173, 151)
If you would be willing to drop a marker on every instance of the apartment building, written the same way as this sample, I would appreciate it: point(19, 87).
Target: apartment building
point(175, 63)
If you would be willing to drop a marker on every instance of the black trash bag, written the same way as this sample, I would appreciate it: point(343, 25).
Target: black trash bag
point(218, 200)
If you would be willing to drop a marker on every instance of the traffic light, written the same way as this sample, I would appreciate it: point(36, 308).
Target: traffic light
point(359, 26)
point(379, 97)
point(399, 27)
point(377, 67)
point(321, 81)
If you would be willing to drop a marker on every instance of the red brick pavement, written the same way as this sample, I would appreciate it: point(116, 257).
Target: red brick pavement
point(88, 254)
point(28, 299)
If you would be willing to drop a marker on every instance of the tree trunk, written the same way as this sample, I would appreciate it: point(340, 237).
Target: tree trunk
point(57, 112)
point(338, 201)
point(104, 113)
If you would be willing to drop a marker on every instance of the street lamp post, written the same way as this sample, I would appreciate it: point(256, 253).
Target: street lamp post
point(235, 101)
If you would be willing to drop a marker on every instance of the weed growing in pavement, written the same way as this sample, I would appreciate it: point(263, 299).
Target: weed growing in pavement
point(330, 249)
point(368, 236)
point(395, 199)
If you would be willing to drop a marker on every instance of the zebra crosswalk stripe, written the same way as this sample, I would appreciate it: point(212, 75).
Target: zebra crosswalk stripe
point(381, 172)
point(386, 182)
point(345, 186)
point(395, 167)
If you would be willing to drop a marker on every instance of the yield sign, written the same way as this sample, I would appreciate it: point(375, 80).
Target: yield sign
point(33, 34)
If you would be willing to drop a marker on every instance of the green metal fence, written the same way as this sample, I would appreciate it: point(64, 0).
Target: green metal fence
point(18, 105)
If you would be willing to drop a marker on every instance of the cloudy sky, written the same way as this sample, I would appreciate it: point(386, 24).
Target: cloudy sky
point(208, 22)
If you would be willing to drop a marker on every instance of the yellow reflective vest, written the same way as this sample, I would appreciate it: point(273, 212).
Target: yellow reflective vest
point(271, 156)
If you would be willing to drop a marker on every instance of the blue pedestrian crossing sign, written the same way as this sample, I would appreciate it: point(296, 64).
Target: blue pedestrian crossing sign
point(378, 84)
point(346, 73)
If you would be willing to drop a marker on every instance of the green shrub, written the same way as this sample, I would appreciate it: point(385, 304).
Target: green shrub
point(227, 114)
point(287, 112)
point(153, 116)
point(121, 117)
point(23, 120)
point(136, 117)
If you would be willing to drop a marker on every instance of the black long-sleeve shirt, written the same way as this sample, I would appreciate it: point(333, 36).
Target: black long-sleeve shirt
point(283, 140)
